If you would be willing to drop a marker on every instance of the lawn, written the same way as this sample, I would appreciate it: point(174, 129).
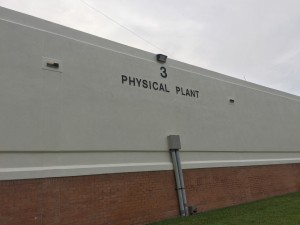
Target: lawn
point(283, 210)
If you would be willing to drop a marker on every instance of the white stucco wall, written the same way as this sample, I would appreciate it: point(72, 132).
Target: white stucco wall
point(83, 120)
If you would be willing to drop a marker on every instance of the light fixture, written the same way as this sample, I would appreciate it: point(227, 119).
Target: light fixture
point(161, 58)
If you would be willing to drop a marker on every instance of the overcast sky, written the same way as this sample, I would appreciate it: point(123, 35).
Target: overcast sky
point(256, 40)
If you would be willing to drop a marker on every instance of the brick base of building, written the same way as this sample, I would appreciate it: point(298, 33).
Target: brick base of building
point(137, 198)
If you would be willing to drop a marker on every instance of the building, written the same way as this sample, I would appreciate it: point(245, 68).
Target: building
point(84, 124)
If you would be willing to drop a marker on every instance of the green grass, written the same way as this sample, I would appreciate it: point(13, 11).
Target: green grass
point(283, 210)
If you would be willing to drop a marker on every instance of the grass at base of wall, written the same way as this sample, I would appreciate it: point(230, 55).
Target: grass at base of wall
point(283, 210)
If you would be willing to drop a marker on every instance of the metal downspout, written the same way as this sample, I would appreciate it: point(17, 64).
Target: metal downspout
point(174, 146)
point(182, 183)
point(178, 183)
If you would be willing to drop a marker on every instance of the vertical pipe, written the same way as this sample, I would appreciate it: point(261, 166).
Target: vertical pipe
point(178, 183)
point(174, 146)
point(182, 183)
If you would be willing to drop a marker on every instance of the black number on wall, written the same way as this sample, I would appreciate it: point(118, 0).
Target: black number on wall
point(163, 72)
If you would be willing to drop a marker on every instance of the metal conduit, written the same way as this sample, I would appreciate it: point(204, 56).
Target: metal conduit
point(178, 183)
point(174, 146)
point(182, 183)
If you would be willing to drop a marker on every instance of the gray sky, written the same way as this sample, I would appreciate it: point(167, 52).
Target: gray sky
point(256, 40)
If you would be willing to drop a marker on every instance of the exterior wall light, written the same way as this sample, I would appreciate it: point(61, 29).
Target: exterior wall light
point(161, 58)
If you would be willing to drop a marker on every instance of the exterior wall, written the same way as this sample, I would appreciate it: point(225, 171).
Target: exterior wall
point(84, 119)
point(91, 123)
point(137, 198)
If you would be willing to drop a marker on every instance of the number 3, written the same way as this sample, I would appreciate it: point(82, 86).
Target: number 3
point(163, 72)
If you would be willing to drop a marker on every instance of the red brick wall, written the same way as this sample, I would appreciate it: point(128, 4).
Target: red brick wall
point(220, 187)
point(113, 199)
point(137, 198)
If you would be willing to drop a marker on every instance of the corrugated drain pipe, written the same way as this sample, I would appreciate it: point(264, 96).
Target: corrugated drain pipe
point(174, 146)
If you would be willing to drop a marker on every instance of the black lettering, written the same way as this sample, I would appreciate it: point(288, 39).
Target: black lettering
point(163, 72)
point(156, 86)
point(132, 80)
point(197, 92)
point(188, 92)
point(124, 78)
point(193, 93)
point(182, 92)
point(145, 84)
point(166, 88)
point(161, 87)
point(138, 81)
